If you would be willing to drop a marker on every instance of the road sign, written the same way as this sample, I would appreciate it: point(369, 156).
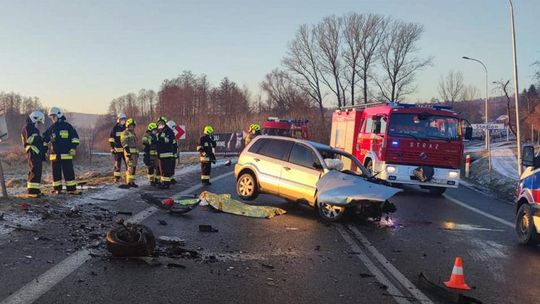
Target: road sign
point(491, 126)
point(180, 132)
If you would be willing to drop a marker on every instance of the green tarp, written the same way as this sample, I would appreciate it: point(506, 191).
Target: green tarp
point(225, 203)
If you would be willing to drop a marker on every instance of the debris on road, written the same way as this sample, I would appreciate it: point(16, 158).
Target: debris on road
point(207, 228)
point(162, 222)
point(175, 265)
point(130, 240)
point(225, 203)
point(174, 206)
point(171, 240)
point(444, 294)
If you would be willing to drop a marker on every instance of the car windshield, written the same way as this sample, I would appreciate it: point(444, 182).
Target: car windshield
point(350, 163)
point(423, 126)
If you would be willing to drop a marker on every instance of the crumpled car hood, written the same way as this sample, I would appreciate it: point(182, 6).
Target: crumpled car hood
point(338, 188)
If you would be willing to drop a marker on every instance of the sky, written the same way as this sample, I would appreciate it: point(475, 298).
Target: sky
point(79, 55)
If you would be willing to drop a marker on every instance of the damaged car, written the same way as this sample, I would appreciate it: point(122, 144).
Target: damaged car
point(323, 177)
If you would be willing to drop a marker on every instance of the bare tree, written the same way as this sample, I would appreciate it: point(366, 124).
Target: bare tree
point(503, 85)
point(328, 35)
point(451, 86)
point(470, 93)
point(398, 60)
point(301, 61)
point(283, 97)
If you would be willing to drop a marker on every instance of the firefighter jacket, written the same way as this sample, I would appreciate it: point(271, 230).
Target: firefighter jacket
point(149, 141)
point(32, 140)
point(114, 138)
point(62, 139)
point(166, 143)
point(129, 143)
point(205, 148)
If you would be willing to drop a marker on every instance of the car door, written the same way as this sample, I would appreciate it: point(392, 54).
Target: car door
point(270, 161)
point(301, 173)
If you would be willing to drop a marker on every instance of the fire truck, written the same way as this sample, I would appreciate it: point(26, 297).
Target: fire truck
point(404, 143)
point(296, 128)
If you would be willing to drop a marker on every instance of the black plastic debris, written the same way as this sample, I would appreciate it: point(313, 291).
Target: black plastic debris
point(207, 228)
point(175, 265)
point(162, 222)
point(443, 293)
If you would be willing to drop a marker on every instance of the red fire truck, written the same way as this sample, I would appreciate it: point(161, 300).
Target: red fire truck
point(286, 127)
point(404, 143)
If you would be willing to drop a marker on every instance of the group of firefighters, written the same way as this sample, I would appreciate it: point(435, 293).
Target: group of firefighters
point(60, 143)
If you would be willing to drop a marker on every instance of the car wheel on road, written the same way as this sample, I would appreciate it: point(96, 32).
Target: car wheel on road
point(246, 187)
point(331, 213)
point(525, 229)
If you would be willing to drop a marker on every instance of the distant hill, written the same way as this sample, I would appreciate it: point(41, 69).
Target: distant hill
point(82, 120)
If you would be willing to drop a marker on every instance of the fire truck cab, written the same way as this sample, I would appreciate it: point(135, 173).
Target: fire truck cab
point(295, 128)
point(403, 143)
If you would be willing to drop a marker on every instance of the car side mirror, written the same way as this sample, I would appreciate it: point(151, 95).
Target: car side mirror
point(468, 133)
point(527, 157)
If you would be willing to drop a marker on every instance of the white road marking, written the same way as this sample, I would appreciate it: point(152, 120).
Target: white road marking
point(393, 290)
point(42, 284)
point(478, 211)
point(390, 268)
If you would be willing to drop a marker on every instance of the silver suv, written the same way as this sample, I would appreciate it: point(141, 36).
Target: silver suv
point(290, 168)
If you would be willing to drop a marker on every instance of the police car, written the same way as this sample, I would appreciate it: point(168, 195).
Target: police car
point(528, 199)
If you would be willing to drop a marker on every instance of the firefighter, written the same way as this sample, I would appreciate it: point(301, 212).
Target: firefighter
point(166, 154)
point(131, 153)
point(172, 125)
point(63, 140)
point(35, 152)
point(116, 146)
point(206, 153)
point(254, 131)
point(150, 152)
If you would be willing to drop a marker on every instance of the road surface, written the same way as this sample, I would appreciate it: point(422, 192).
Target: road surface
point(292, 258)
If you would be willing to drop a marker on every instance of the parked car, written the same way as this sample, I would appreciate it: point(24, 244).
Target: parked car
point(528, 199)
point(293, 168)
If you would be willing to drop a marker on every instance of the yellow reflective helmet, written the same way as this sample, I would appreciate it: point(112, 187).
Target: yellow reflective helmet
point(130, 122)
point(254, 127)
point(152, 126)
point(208, 130)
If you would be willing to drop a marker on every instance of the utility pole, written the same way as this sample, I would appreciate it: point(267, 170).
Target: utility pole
point(516, 87)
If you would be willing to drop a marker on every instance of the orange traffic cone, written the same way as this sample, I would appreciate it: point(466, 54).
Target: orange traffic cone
point(457, 279)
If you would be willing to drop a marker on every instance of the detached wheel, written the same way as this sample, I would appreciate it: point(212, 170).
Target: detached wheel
point(525, 229)
point(331, 213)
point(246, 187)
point(121, 244)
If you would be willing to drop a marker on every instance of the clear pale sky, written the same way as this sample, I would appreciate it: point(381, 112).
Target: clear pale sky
point(81, 54)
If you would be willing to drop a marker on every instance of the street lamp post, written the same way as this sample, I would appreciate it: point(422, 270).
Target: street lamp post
point(488, 139)
point(516, 87)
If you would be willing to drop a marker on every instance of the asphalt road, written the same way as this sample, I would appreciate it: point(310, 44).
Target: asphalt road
point(292, 258)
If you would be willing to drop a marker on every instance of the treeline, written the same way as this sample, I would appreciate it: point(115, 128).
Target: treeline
point(17, 108)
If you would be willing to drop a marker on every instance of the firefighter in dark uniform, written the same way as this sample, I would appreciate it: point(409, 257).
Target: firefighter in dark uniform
point(116, 146)
point(63, 141)
point(35, 152)
point(172, 125)
point(149, 141)
point(131, 153)
point(206, 154)
point(166, 154)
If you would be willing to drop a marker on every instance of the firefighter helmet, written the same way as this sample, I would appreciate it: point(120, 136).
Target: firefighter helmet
point(208, 130)
point(120, 116)
point(130, 122)
point(254, 127)
point(56, 112)
point(152, 126)
point(162, 118)
point(37, 117)
point(171, 124)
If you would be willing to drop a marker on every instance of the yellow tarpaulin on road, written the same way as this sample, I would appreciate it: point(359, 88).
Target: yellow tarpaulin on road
point(225, 203)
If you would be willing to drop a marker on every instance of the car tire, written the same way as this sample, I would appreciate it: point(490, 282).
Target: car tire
point(525, 229)
point(119, 247)
point(331, 213)
point(247, 187)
